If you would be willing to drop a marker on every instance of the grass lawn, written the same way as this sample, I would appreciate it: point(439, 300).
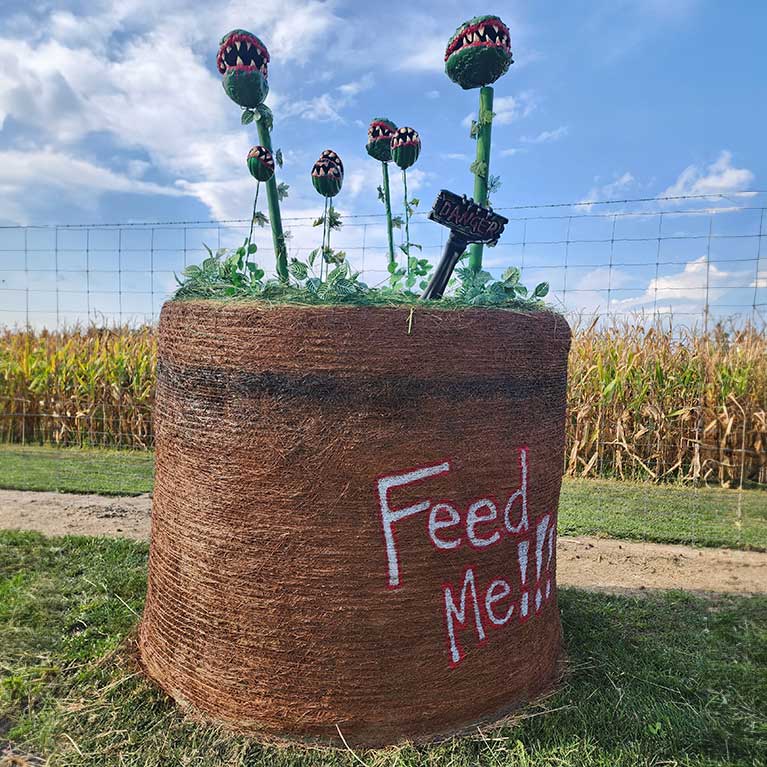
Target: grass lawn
point(708, 516)
point(666, 679)
point(76, 470)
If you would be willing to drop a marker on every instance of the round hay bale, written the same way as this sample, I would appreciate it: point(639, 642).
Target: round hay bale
point(354, 517)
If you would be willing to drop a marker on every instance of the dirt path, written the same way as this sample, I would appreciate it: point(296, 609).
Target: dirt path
point(66, 514)
point(601, 564)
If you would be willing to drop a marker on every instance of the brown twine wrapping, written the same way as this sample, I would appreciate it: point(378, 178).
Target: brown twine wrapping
point(271, 605)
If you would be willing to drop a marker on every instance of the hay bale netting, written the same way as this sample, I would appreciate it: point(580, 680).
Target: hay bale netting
point(344, 512)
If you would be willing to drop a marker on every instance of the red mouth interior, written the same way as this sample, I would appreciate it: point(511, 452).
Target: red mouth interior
point(380, 132)
point(492, 33)
point(326, 167)
point(242, 52)
point(263, 156)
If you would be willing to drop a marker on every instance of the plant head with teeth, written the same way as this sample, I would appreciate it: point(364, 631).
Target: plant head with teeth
point(328, 174)
point(243, 61)
point(260, 163)
point(405, 147)
point(380, 135)
point(479, 52)
point(329, 154)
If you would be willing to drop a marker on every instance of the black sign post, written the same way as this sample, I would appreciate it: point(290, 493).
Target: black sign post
point(468, 222)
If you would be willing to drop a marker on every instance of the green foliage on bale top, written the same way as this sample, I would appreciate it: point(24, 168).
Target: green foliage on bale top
point(326, 277)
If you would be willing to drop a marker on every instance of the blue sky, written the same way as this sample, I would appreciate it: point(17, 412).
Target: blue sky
point(113, 111)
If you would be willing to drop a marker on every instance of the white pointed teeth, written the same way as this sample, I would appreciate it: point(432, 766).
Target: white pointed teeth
point(238, 43)
point(250, 45)
point(239, 62)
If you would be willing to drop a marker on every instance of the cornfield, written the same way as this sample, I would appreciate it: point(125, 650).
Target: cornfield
point(78, 387)
point(645, 402)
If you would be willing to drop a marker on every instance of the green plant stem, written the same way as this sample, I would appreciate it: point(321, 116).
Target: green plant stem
point(483, 158)
point(325, 235)
point(273, 200)
point(407, 220)
point(253, 217)
point(387, 205)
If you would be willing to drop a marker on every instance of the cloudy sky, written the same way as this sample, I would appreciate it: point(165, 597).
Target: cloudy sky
point(114, 112)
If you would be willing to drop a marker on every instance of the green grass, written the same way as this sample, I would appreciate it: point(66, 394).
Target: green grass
point(704, 516)
point(76, 470)
point(665, 679)
point(707, 516)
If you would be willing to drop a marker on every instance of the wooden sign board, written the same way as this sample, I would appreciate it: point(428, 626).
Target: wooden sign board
point(469, 221)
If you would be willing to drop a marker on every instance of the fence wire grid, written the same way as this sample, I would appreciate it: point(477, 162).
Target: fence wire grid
point(691, 270)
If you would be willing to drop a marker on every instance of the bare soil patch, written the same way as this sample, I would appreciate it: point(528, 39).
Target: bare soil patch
point(598, 564)
point(68, 514)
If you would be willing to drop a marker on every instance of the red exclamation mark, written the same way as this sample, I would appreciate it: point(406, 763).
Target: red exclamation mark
point(540, 539)
point(522, 549)
point(548, 564)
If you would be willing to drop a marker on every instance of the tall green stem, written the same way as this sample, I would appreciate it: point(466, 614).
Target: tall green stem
point(407, 220)
point(482, 172)
point(253, 217)
point(273, 200)
point(325, 237)
point(387, 205)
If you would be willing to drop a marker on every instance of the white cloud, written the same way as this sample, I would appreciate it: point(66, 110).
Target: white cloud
point(84, 83)
point(697, 281)
point(682, 291)
point(327, 107)
point(454, 156)
point(357, 86)
point(512, 151)
point(428, 55)
point(720, 177)
point(432, 94)
point(608, 191)
point(760, 281)
point(508, 109)
point(589, 292)
point(81, 181)
point(323, 108)
point(547, 136)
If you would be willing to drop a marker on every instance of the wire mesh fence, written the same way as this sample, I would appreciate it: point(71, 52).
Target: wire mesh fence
point(668, 382)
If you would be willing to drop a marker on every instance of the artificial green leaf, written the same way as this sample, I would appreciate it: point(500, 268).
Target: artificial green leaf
point(298, 269)
point(265, 114)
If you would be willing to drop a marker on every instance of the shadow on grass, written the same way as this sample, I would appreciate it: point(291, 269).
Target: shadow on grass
point(666, 678)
